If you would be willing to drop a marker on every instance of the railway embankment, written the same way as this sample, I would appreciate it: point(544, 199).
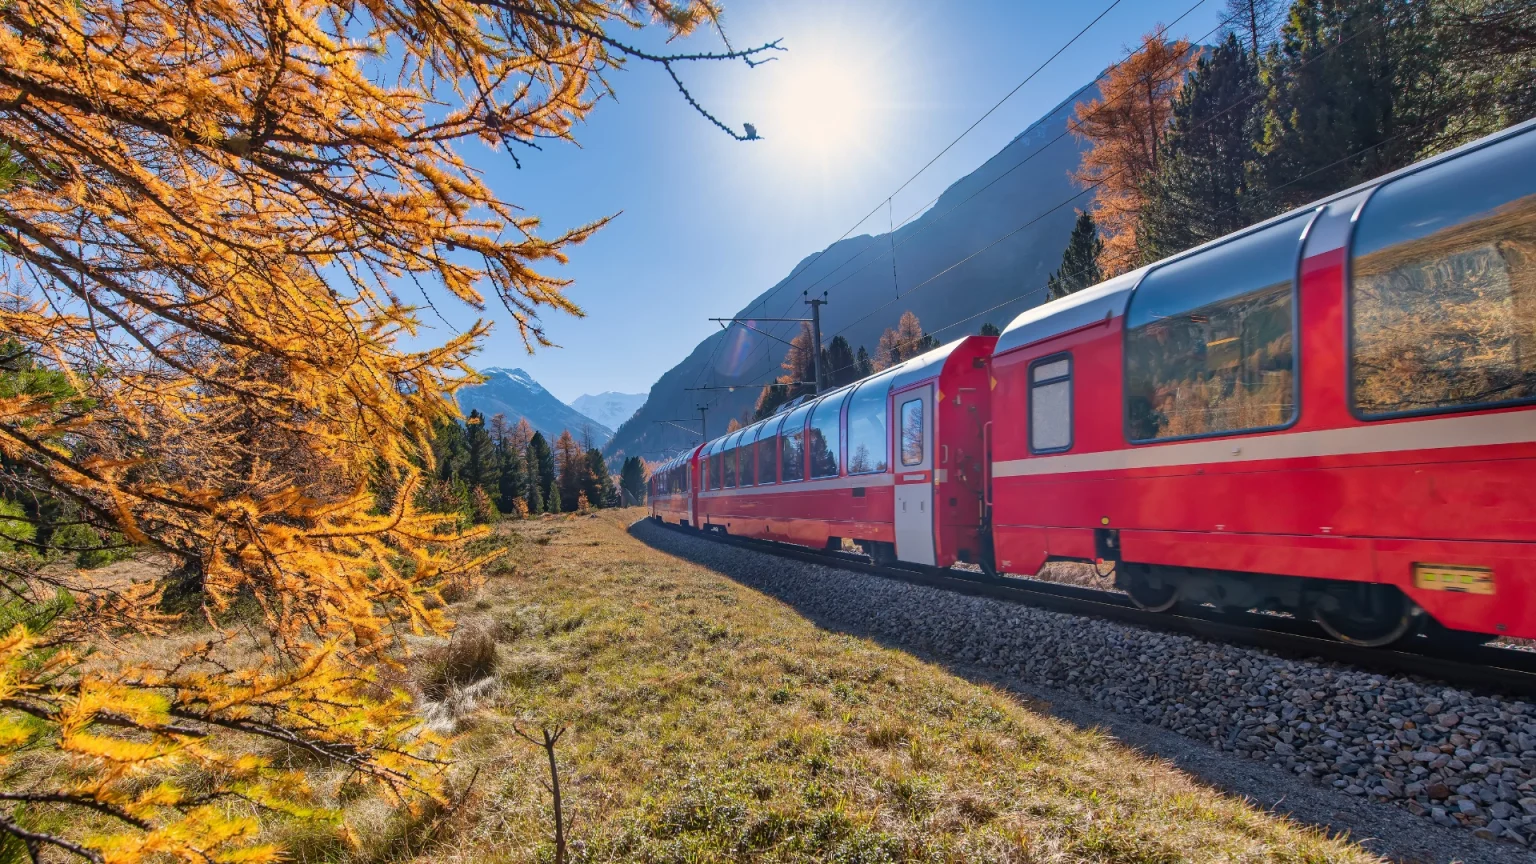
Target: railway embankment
point(1428, 772)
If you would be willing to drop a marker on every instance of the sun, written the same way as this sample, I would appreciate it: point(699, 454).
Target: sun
point(822, 105)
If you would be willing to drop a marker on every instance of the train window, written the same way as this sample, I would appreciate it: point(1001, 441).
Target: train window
point(912, 432)
point(746, 462)
point(716, 466)
point(1050, 404)
point(868, 441)
point(1210, 340)
point(792, 445)
point(729, 452)
point(768, 452)
point(825, 443)
point(1443, 286)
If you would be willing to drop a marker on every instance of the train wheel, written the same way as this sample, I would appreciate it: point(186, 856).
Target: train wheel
point(1151, 596)
point(1365, 614)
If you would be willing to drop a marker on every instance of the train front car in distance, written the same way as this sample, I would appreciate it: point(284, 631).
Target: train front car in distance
point(1328, 414)
point(892, 463)
point(671, 489)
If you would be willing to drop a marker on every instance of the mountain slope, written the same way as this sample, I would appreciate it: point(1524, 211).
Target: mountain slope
point(609, 408)
point(980, 254)
point(514, 393)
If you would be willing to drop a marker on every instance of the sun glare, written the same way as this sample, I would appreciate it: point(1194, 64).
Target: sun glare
point(823, 106)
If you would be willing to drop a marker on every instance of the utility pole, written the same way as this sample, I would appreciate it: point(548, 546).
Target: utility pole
point(704, 422)
point(816, 303)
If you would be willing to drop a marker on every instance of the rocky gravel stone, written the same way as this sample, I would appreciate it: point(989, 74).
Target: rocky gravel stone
point(1442, 753)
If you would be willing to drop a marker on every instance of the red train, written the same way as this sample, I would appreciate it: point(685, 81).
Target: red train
point(1332, 414)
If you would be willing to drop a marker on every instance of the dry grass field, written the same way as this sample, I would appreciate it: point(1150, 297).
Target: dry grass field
point(707, 722)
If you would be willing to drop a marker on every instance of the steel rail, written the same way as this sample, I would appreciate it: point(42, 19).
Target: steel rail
point(1488, 669)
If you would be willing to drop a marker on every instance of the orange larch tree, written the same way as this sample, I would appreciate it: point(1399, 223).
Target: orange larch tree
point(208, 213)
point(1125, 127)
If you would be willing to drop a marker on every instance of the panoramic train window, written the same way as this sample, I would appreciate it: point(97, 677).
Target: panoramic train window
point(912, 432)
point(729, 450)
point(1050, 404)
point(792, 445)
point(1443, 286)
point(746, 460)
point(717, 465)
point(826, 440)
point(767, 452)
point(868, 443)
point(1210, 340)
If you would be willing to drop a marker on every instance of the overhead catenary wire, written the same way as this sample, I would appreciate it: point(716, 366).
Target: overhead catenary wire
point(967, 131)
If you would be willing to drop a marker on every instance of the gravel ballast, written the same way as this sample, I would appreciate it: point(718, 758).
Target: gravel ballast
point(1462, 760)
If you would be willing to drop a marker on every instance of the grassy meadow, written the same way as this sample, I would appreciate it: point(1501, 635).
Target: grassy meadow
point(707, 722)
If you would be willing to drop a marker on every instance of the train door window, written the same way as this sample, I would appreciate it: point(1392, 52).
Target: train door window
point(768, 452)
point(792, 445)
point(729, 452)
point(1050, 404)
point(868, 434)
point(1443, 286)
point(746, 463)
point(825, 444)
point(912, 434)
point(1210, 340)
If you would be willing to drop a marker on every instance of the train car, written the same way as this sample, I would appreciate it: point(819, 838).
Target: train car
point(1331, 414)
point(670, 489)
point(837, 468)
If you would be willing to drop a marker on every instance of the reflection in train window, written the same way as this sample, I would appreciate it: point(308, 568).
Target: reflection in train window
point(825, 440)
point(1443, 286)
point(868, 441)
point(1210, 339)
point(912, 432)
point(792, 445)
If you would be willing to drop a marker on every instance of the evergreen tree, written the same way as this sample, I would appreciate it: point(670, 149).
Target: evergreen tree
point(1352, 96)
point(449, 450)
point(482, 468)
point(840, 365)
point(541, 465)
point(632, 481)
point(866, 365)
point(599, 482)
point(990, 329)
point(1204, 185)
point(1079, 261)
point(511, 484)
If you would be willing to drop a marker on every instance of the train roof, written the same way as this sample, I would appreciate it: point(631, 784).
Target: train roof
point(921, 367)
point(1109, 298)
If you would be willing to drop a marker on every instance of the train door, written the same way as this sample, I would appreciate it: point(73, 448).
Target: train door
point(913, 467)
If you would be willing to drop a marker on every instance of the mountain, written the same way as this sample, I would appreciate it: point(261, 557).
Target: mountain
point(980, 254)
point(514, 393)
point(610, 408)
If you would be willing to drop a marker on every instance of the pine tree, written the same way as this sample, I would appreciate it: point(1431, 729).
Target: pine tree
point(1352, 96)
point(799, 366)
point(541, 465)
point(866, 365)
point(841, 366)
point(1079, 261)
point(1206, 185)
point(632, 481)
point(449, 449)
point(990, 329)
point(482, 468)
point(1253, 23)
point(599, 482)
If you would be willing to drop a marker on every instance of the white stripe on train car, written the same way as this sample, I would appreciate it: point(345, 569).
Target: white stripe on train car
point(1513, 427)
point(828, 484)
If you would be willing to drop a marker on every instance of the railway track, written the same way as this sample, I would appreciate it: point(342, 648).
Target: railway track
point(1487, 669)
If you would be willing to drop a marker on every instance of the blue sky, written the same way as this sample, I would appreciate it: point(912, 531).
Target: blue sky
point(865, 95)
